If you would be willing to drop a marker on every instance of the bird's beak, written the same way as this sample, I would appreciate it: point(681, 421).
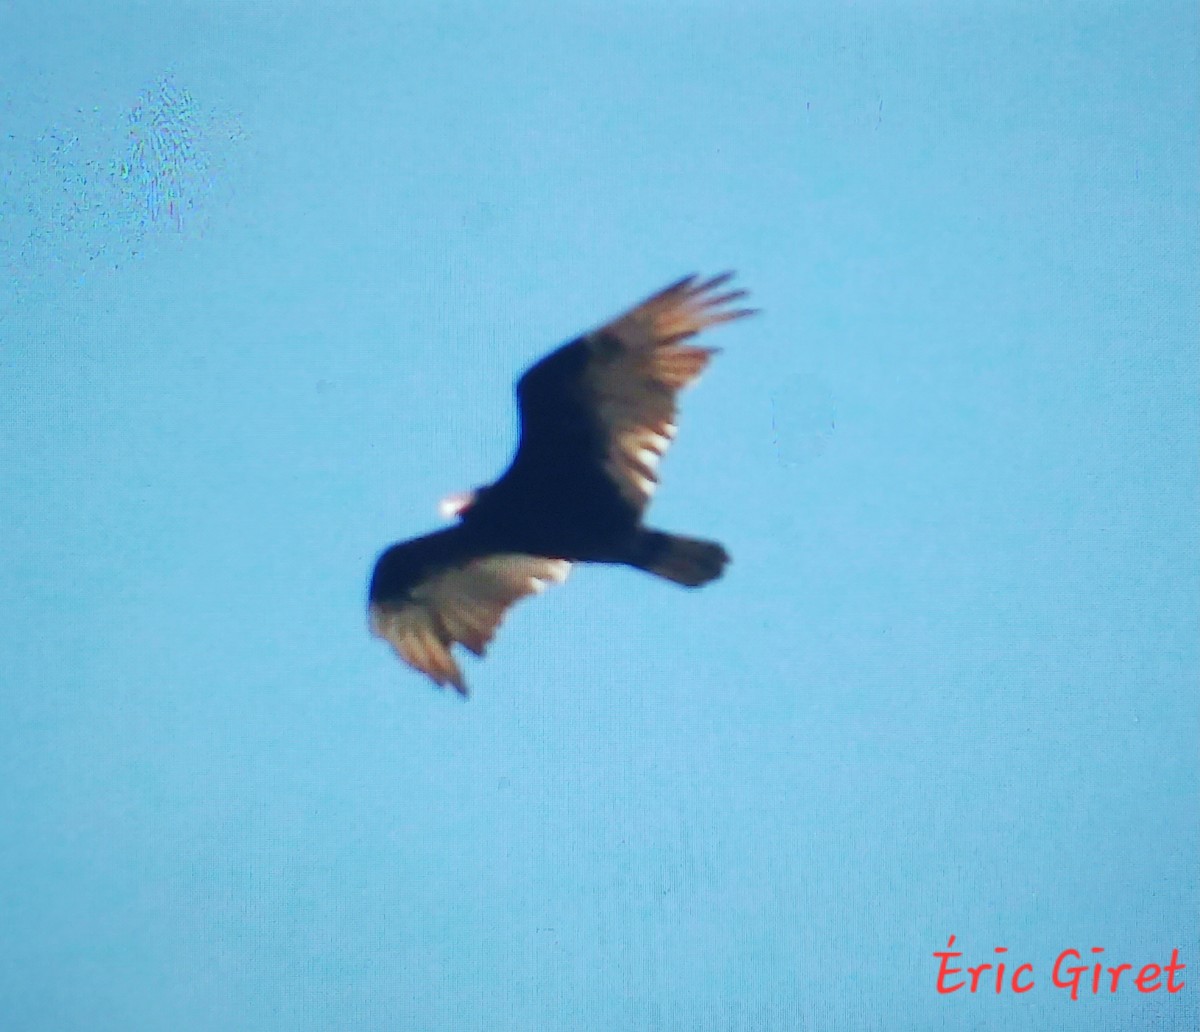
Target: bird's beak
point(453, 506)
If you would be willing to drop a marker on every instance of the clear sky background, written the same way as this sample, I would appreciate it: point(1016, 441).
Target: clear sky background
point(269, 272)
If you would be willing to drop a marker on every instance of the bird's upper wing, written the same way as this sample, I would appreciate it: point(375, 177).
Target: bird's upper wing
point(624, 378)
point(463, 603)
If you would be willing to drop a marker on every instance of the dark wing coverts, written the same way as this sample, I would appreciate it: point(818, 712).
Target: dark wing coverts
point(631, 371)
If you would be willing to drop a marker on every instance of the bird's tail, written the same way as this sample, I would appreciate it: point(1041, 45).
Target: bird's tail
point(683, 560)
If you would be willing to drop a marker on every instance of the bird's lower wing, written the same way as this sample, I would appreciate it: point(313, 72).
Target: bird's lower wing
point(638, 365)
point(464, 603)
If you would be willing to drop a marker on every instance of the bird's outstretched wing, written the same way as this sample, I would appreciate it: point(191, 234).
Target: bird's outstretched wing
point(623, 379)
point(465, 603)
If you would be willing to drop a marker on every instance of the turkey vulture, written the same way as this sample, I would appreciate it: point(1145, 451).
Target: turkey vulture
point(596, 416)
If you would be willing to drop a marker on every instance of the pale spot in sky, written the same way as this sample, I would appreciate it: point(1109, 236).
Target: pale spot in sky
point(95, 189)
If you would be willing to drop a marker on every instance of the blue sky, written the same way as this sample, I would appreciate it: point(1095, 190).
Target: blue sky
point(268, 274)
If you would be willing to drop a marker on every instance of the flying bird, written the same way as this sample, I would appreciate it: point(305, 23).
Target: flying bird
point(597, 414)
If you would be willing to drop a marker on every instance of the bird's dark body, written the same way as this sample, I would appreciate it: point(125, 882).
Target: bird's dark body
point(555, 499)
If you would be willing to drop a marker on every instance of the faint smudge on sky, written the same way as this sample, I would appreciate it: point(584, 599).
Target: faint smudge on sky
point(166, 168)
point(97, 189)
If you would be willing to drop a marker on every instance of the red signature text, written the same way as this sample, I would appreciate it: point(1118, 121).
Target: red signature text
point(1069, 971)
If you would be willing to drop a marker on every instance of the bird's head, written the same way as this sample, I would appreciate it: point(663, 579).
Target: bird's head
point(457, 505)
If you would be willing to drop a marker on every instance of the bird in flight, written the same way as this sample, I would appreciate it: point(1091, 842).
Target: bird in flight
point(597, 414)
